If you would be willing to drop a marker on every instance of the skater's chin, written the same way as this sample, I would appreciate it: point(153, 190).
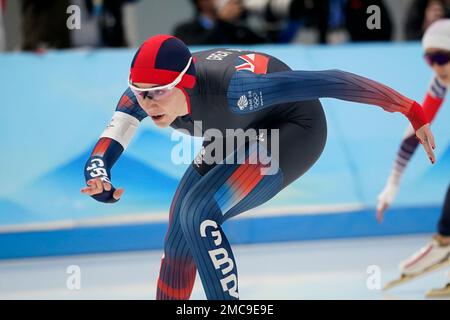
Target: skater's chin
point(162, 121)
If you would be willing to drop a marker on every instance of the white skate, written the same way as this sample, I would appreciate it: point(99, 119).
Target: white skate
point(430, 258)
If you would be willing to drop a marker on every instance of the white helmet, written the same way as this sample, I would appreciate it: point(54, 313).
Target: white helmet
point(437, 35)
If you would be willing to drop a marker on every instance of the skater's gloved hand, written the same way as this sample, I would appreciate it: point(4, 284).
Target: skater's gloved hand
point(426, 138)
point(102, 191)
point(385, 198)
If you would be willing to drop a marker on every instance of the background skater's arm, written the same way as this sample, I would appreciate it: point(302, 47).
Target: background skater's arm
point(431, 105)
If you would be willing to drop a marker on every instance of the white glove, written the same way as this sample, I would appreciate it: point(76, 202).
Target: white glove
point(388, 194)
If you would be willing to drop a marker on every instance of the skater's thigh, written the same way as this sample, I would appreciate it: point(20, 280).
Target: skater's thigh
point(302, 136)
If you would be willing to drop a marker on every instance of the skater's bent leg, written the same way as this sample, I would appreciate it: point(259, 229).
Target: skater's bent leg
point(230, 189)
point(444, 221)
point(226, 190)
point(177, 272)
point(202, 213)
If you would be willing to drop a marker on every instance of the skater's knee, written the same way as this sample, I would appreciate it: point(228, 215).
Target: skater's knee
point(196, 208)
point(175, 246)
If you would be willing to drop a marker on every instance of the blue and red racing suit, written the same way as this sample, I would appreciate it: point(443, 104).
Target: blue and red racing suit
point(237, 89)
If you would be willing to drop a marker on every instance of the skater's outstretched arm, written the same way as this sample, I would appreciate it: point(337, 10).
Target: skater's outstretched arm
point(113, 141)
point(290, 86)
point(431, 104)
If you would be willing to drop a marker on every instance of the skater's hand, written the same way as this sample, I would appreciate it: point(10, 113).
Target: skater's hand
point(385, 198)
point(426, 138)
point(96, 187)
point(381, 209)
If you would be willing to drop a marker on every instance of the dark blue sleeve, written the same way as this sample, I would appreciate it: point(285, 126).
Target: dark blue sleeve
point(249, 92)
point(105, 154)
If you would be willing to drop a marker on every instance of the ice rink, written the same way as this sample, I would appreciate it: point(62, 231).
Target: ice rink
point(325, 269)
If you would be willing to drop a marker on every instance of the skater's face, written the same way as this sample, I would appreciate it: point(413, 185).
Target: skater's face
point(442, 70)
point(163, 111)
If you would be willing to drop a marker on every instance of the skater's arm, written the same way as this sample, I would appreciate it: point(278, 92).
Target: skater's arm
point(431, 105)
point(291, 86)
point(113, 141)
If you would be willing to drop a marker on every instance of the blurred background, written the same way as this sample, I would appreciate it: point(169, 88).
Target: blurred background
point(37, 25)
point(61, 78)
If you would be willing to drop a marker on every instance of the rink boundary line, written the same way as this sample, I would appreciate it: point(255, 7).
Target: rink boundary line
point(76, 240)
point(164, 217)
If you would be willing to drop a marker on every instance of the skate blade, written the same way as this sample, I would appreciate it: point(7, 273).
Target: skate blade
point(396, 282)
point(439, 292)
point(407, 278)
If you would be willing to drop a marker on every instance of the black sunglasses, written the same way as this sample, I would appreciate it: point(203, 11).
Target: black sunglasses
point(440, 58)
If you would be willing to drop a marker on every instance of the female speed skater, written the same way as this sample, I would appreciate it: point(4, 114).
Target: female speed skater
point(436, 43)
point(218, 91)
